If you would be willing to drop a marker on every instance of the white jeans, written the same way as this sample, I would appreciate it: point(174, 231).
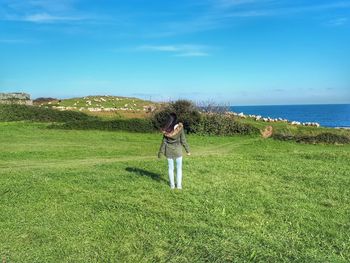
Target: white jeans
point(178, 172)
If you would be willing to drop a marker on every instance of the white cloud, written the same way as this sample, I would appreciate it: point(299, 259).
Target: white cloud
point(188, 50)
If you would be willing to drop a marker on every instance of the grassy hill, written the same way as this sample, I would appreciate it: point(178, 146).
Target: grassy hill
point(108, 106)
point(94, 196)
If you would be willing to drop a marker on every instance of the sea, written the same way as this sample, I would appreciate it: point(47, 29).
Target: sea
point(327, 115)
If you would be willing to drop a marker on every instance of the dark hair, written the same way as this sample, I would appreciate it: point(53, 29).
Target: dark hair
point(171, 122)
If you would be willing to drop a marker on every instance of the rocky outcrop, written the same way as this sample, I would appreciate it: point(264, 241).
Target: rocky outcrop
point(267, 132)
point(15, 98)
point(268, 119)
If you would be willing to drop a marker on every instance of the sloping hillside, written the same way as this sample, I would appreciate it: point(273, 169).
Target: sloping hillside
point(101, 104)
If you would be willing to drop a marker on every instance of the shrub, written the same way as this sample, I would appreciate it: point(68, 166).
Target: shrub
point(223, 125)
point(283, 137)
point(186, 112)
point(34, 113)
point(132, 125)
point(203, 124)
point(212, 107)
point(44, 100)
point(326, 138)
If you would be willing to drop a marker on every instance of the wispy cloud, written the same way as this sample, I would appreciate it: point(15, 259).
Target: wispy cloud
point(236, 3)
point(54, 5)
point(39, 5)
point(338, 21)
point(188, 50)
point(192, 17)
point(193, 54)
point(278, 5)
point(14, 41)
point(225, 13)
point(40, 11)
point(48, 18)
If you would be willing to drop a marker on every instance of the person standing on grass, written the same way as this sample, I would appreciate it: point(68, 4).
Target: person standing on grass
point(173, 140)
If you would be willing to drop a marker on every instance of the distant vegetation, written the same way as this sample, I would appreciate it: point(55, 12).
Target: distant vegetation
point(326, 138)
point(132, 125)
point(42, 100)
point(195, 119)
point(224, 125)
point(30, 113)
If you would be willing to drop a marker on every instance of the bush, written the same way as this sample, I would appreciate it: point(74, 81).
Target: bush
point(132, 125)
point(186, 112)
point(326, 138)
point(283, 137)
point(223, 125)
point(203, 124)
point(160, 117)
point(34, 113)
point(44, 100)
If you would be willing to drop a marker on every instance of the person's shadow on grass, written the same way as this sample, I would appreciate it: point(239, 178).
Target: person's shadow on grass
point(142, 172)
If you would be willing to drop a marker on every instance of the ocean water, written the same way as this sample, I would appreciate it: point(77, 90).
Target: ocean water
point(328, 115)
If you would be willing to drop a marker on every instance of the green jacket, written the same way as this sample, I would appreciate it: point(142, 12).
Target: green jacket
point(172, 143)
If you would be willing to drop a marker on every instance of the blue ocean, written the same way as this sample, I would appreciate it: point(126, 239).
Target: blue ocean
point(328, 115)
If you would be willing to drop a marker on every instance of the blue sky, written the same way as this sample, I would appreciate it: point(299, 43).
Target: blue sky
point(238, 52)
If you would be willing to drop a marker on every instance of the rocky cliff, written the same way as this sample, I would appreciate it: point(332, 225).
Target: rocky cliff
point(15, 98)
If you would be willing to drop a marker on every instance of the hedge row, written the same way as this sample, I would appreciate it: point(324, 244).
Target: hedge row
point(132, 125)
point(194, 122)
point(208, 126)
point(15, 112)
point(223, 125)
point(325, 138)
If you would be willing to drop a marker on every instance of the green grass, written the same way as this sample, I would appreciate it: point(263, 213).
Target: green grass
point(94, 196)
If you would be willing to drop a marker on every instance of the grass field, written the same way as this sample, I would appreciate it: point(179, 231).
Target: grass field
point(93, 196)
